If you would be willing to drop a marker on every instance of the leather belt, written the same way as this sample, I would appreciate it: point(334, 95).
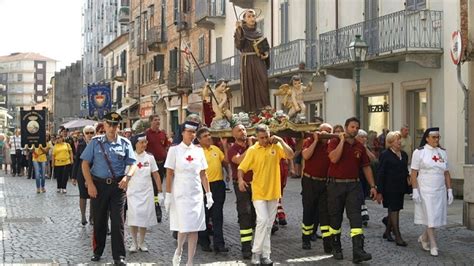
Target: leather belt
point(315, 177)
point(108, 181)
point(343, 180)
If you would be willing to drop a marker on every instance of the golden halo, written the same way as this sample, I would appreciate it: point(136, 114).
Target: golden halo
point(257, 12)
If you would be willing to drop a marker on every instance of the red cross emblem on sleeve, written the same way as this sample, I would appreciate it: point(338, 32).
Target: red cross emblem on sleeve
point(189, 158)
point(436, 159)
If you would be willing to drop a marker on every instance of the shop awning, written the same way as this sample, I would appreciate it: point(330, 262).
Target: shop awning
point(79, 123)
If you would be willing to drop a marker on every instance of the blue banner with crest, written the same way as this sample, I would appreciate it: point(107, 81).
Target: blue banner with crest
point(99, 100)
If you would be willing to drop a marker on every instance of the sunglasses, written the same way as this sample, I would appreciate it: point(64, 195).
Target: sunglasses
point(102, 132)
point(90, 133)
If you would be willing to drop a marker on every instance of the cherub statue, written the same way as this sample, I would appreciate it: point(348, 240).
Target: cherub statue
point(220, 104)
point(292, 96)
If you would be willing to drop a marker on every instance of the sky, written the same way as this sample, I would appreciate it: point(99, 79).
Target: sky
point(49, 27)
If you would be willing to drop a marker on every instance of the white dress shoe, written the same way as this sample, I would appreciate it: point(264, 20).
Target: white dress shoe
point(143, 247)
point(176, 259)
point(434, 252)
point(424, 244)
point(133, 248)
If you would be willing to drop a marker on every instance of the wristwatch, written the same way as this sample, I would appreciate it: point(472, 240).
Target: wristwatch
point(374, 186)
point(128, 177)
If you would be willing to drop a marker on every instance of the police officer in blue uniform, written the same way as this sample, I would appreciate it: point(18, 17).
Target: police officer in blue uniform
point(103, 164)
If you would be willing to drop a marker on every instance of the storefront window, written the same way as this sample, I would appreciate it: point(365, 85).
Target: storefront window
point(376, 113)
point(417, 114)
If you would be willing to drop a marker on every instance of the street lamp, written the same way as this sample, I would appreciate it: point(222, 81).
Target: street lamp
point(358, 52)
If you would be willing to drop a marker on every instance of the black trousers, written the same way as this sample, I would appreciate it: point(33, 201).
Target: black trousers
point(315, 204)
point(348, 196)
point(17, 162)
point(162, 172)
point(61, 173)
point(216, 214)
point(31, 172)
point(245, 213)
point(110, 199)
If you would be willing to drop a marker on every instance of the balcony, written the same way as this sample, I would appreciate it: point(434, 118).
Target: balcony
point(285, 60)
point(141, 48)
point(118, 74)
point(124, 15)
point(180, 80)
point(400, 36)
point(155, 39)
point(209, 13)
point(246, 3)
point(182, 22)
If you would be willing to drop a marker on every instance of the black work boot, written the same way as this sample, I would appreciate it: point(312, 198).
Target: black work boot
point(358, 252)
point(246, 250)
point(336, 247)
point(327, 244)
point(306, 241)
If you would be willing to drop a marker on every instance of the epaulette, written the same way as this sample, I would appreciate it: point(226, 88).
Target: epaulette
point(420, 148)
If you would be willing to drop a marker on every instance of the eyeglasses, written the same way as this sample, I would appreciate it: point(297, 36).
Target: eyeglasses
point(102, 132)
point(90, 133)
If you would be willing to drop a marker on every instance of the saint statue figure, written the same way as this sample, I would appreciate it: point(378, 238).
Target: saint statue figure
point(255, 61)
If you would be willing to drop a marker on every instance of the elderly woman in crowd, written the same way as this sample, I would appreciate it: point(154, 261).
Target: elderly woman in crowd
point(392, 183)
point(185, 179)
point(432, 190)
point(78, 177)
point(140, 196)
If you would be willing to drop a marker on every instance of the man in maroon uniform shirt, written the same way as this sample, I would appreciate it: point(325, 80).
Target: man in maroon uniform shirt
point(158, 145)
point(245, 210)
point(313, 183)
point(347, 156)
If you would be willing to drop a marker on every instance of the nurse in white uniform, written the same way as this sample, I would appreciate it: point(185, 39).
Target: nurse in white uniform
point(140, 198)
point(185, 177)
point(432, 190)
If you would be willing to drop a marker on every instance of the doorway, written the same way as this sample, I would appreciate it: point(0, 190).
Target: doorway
point(417, 114)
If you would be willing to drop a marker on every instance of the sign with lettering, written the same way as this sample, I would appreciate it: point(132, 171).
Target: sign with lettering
point(33, 127)
point(379, 108)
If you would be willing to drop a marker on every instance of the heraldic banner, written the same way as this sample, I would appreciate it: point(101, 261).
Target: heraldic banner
point(100, 100)
point(33, 127)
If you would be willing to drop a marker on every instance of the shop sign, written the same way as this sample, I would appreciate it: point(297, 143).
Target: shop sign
point(379, 108)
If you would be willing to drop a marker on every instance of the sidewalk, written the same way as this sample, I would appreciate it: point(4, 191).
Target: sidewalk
point(45, 228)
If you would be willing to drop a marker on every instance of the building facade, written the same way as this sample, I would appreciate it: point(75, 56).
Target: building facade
point(67, 85)
point(24, 77)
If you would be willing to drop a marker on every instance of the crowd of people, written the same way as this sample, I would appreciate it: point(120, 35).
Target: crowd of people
point(340, 166)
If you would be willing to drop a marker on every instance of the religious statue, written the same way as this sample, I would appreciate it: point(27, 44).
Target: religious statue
point(254, 50)
point(292, 98)
point(220, 104)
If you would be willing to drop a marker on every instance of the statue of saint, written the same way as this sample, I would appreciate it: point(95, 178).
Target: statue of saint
point(255, 61)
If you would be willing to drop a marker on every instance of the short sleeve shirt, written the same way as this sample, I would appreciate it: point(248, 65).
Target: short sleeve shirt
point(119, 152)
point(353, 158)
point(158, 144)
point(62, 154)
point(214, 158)
point(318, 164)
point(39, 155)
point(265, 164)
point(234, 150)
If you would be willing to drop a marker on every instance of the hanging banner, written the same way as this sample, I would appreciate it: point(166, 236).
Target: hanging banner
point(99, 99)
point(33, 127)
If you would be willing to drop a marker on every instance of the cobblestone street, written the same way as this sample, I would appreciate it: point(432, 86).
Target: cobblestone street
point(45, 228)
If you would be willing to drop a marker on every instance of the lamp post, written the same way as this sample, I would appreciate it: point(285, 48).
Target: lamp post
point(357, 53)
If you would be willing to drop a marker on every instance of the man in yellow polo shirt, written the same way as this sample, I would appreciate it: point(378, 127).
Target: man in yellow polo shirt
point(263, 159)
point(215, 159)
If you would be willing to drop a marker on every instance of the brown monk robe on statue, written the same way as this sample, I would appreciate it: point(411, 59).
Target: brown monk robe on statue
point(254, 63)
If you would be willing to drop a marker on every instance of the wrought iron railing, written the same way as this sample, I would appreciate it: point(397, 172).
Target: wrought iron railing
point(283, 58)
point(400, 31)
point(179, 79)
point(155, 36)
point(209, 8)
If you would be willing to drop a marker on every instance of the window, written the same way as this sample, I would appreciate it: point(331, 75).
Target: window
point(201, 49)
point(39, 87)
point(39, 66)
point(415, 4)
point(163, 20)
point(218, 49)
point(284, 22)
point(186, 6)
point(132, 34)
point(173, 59)
point(175, 10)
point(19, 77)
point(39, 76)
point(39, 98)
